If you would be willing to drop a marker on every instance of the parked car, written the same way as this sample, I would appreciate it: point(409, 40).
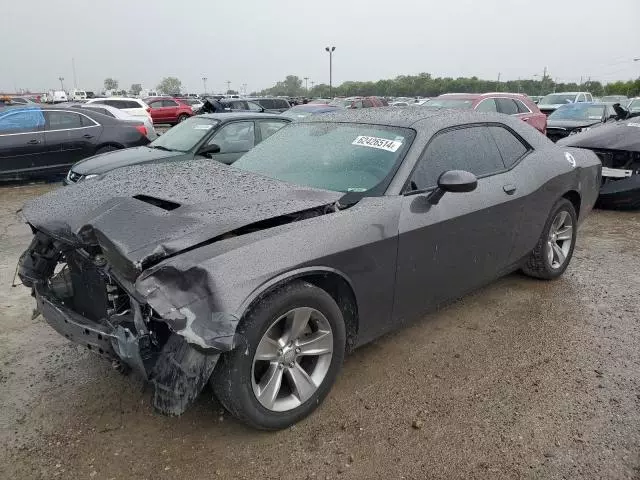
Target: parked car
point(241, 105)
point(551, 102)
point(515, 104)
point(621, 99)
point(634, 105)
point(55, 96)
point(572, 118)
point(45, 141)
point(272, 105)
point(302, 111)
point(535, 98)
point(618, 147)
point(78, 95)
point(223, 137)
point(121, 115)
point(20, 101)
point(133, 106)
point(195, 103)
point(168, 110)
point(358, 102)
point(257, 277)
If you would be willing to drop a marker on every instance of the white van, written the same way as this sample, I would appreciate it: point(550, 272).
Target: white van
point(78, 95)
point(56, 96)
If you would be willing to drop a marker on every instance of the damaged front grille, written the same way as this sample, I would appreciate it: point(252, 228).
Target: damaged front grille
point(626, 163)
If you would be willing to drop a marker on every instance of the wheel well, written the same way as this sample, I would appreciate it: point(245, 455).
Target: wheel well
point(574, 198)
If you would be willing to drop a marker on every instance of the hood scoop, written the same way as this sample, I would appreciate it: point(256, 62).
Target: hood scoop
point(158, 202)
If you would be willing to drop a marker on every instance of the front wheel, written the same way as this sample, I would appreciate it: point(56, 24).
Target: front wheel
point(182, 118)
point(295, 343)
point(553, 252)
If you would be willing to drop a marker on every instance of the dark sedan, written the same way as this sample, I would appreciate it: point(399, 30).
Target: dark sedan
point(40, 142)
point(222, 137)
point(302, 111)
point(257, 277)
point(572, 118)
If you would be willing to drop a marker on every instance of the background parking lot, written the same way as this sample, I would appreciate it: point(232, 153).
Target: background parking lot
point(523, 379)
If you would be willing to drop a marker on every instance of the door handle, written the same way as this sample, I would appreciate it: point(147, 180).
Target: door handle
point(33, 141)
point(86, 135)
point(509, 189)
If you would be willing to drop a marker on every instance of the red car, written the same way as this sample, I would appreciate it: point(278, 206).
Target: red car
point(509, 103)
point(168, 110)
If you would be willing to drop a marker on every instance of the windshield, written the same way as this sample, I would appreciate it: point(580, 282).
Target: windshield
point(614, 99)
point(634, 106)
point(578, 111)
point(343, 102)
point(343, 157)
point(557, 98)
point(459, 103)
point(185, 135)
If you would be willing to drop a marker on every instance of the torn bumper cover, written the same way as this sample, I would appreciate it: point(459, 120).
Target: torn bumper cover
point(83, 302)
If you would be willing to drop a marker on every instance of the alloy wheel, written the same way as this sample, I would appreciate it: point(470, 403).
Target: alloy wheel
point(560, 239)
point(292, 359)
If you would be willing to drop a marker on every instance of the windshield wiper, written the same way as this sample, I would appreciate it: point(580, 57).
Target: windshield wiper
point(161, 147)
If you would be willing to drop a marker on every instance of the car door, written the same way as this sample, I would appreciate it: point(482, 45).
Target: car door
point(21, 141)
point(170, 110)
point(157, 112)
point(465, 240)
point(69, 137)
point(234, 139)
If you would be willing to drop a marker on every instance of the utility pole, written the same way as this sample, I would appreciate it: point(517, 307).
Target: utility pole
point(498, 84)
point(228, 85)
point(204, 81)
point(75, 79)
point(330, 50)
point(244, 89)
point(312, 84)
point(61, 84)
point(306, 85)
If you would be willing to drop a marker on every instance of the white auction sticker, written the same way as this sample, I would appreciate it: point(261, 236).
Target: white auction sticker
point(376, 142)
point(202, 127)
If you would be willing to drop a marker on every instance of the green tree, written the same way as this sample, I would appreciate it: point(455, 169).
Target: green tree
point(170, 85)
point(135, 89)
point(110, 84)
point(231, 92)
point(290, 86)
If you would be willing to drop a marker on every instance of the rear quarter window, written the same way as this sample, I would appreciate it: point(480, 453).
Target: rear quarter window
point(511, 147)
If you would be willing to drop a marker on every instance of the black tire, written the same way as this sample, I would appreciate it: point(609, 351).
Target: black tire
point(106, 148)
point(537, 264)
point(182, 118)
point(231, 380)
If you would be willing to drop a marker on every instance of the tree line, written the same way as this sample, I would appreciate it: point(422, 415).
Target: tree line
point(168, 85)
point(424, 85)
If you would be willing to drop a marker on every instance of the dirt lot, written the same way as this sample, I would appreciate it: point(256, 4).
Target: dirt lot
point(523, 379)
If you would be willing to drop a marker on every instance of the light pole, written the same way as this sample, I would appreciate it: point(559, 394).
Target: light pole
point(61, 85)
point(244, 89)
point(306, 85)
point(204, 81)
point(228, 85)
point(330, 50)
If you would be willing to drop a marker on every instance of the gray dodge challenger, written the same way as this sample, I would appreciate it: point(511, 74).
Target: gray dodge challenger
point(258, 277)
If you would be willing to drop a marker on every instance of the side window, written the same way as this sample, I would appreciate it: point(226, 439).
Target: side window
point(280, 103)
point(166, 103)
point(235, 137)
point(589, 97)
point(238, 105)
point(522, 108)
point(268, 103)
point(22, 122)
point(156, 104)
point(469, 148)
point(63, 120)
point(507, 106)
point(366, 103)
point(104, 111)
point(487, 105)
point(580, 98)
point(254, 107)
point(510, 147)
point(87, 122)
point(269, 127)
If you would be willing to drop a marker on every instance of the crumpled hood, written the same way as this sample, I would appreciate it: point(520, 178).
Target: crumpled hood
point(147, 212)
point(121, 158)
point(620, 135)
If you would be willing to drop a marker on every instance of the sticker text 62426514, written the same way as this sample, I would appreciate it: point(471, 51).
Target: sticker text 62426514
point(376, 142)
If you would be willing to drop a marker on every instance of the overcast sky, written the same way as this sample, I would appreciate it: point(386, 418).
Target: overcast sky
point(259, 42)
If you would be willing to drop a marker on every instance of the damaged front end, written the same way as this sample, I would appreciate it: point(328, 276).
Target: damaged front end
point(84, 299)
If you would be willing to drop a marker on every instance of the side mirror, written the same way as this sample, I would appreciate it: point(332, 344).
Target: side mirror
point(209, 149)
point(455, 181)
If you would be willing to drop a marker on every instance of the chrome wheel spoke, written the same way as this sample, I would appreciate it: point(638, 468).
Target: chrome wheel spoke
point(303, 386)
point(319, 343)
point(565, 233)
point(267, 349)
point(550, 252)
point(270, 386)
point(298, 322)
point(559, 253)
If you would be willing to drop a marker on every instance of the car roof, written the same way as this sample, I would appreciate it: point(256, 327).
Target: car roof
point(225, 117)
point(394, 116)
point(115, 98)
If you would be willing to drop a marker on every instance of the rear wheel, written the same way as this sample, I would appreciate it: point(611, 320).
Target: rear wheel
point(553, 252)
point(295, 342)
point(182, 118)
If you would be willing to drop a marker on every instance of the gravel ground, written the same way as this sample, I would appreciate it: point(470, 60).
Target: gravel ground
point(522, 379)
